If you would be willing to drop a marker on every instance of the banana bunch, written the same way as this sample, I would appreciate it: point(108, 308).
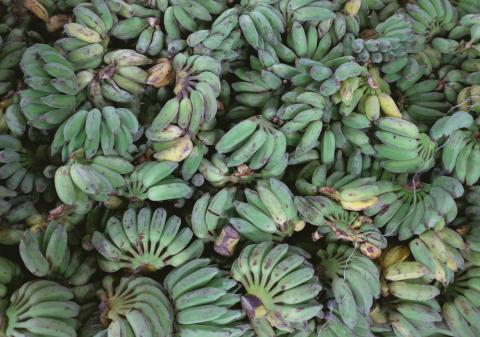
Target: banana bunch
point(267, 214)
point(432, 17)
point(335, 327)
point(389, 41)
point(16, 211)
point(425, 101)
point(414, 207)
point(348, 272)
point(21, 168)
point(110, 131)
point(466, 32)
point(468, 226)
point(45, 253)
point(461, 308)
point(204, 300)
point(461, 146)
point(411, 318)
point(181, 16)
point(305, 11)
point(223, 41)
point(319, 41)
point(370, 94)
point(52, 94)
point(194, 106)
point(469, 99)
point(147, 31)
point(153, 181)
point(210, 214)
point(12, 119)
point(217, 173)
point(336, 223)
point(280, 287)
point(256, 87)
point(441, 252)
point(298, 117)
point(455, 79)
point(353, 192)
point(9, 272)
point(40, 307)
point(89, 36)
point(131, 306)
point(402, 148)
point(11, 51)
point(470, 6)
point(144, 241)
point(121, 80)
point(255, 145)
point(324, 77)
point(78, 183)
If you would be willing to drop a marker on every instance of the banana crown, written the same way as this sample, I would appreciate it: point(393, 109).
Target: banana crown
point(52, 93)
point(204, 299)
point(134, 306)
point(40, 307)
point(278, 281)
point(145, 241)
point(45, 253)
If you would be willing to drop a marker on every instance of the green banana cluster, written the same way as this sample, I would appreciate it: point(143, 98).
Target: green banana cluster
point(9, 272)
point(11, 51)
point(194, 107)
point(334, 327)
point(52, 94)
point(441, 252)
point(389, 42)
point(145, 241)
point(256, 144)
point(425, 101)
point(413, 207)
point(280, 287)
point(15, 212)
point(210, 214)
point(181, 16)
point(336, 223)
point(122, 80)
point(40, 307)
point(417, 318)
point(466, 29)
point(267, 214)
point(130, 306)
point(349, 189)
point(402, 148)
point(256, 86)
point(154, 181)
point(20, 168)
point(460, 311)
point(355, 281)
point(223, 41)
point(45, 253)
point(109, 131)
point(79, 182)
point(204, 300)
point(300, 119)
point(468, 98)
point(461, 147)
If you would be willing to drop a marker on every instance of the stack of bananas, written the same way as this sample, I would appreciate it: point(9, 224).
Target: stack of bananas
point(239, 168)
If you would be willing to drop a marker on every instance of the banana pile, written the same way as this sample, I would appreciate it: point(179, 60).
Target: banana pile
point(239, 168)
